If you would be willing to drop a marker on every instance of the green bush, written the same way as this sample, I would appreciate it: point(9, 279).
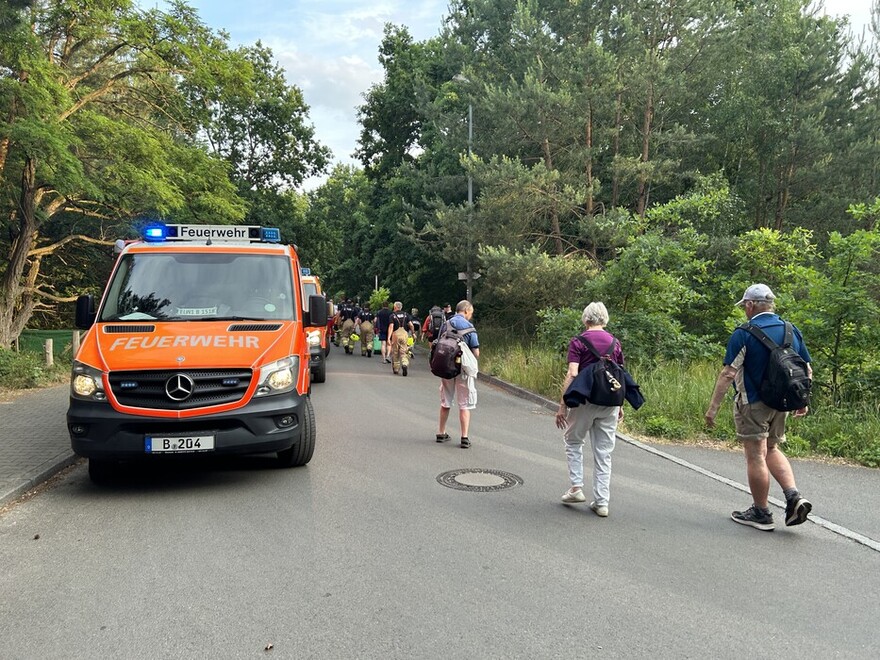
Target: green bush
point(27, 369)
point(676, 396)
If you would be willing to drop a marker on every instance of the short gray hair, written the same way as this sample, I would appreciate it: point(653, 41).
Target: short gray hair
point(398, 306)
point(595, 314)
point(463, 306)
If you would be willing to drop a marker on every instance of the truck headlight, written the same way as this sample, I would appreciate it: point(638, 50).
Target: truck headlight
point(279, 376)
point(87, 382)
point(314, 338)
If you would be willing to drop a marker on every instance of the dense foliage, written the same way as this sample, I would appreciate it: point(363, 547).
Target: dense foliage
point(657, 155)
point(110, 114)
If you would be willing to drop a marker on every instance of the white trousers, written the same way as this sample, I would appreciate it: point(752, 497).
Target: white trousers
point(599, 423)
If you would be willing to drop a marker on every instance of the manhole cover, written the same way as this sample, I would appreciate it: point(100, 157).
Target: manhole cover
point(480, 480)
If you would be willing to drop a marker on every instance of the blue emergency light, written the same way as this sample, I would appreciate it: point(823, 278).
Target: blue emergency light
point(305, 271)
point(155, 232)
point(270, 234)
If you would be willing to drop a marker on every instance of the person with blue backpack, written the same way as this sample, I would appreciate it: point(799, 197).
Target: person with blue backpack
point(768, 363)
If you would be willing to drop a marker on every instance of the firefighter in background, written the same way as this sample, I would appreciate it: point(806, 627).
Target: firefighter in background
point(331, 321)
point(337, 321)
point(400, 325)
point(348, 314)
point(365, 323)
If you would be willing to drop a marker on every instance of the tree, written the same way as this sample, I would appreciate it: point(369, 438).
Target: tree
point(255, 121)
point(92, 125)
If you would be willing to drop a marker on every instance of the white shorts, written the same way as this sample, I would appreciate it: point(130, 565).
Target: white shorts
point(462, 389)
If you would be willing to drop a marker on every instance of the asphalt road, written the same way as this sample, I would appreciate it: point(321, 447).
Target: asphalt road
point(363, 553)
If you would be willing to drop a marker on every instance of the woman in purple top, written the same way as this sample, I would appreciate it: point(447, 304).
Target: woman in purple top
point(597, 422)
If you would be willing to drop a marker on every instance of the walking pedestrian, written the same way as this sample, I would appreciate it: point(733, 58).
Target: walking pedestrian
point(432, 323)
point(382, 317)
point(400, 326)
point(599, 423)
point(365, 325)
point(463, 388)
point(760, 428)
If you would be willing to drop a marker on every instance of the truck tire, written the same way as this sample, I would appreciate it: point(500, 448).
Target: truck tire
point(319, 373)
point(301, 452)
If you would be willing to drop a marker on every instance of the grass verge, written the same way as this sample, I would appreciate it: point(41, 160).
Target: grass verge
point(676, 397)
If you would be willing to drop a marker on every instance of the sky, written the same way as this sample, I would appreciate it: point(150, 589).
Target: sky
point(329, 49)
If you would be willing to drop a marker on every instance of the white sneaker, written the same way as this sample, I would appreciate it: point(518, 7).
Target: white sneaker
point(600, 510)
point(571, 496)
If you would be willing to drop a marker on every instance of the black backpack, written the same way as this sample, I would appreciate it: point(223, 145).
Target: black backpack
point(437, 319)
point(785, 384)
point(446, 352)
point(609, 381)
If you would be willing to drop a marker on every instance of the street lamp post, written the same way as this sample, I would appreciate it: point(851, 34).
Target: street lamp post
point(468, 272)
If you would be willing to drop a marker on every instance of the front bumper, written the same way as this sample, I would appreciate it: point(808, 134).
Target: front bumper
point(266, 424)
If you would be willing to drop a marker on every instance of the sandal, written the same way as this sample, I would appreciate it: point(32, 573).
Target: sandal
point(442, 437)
point(465, 443)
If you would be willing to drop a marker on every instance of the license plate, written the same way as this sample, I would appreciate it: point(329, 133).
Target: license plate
point(178, 444)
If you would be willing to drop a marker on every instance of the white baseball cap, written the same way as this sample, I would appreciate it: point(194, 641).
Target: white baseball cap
point(757, 293)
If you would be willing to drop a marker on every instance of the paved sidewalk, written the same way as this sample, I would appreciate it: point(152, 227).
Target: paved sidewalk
point(34, 443)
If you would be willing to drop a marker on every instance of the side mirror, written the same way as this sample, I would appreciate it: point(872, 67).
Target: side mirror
point(317, 314)
point(85, 312)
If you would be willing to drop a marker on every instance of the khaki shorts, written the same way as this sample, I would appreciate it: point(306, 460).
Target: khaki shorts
point(461, 389)
point(758, 421)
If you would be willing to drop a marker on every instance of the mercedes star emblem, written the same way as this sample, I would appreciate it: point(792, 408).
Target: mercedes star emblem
point(179, 387)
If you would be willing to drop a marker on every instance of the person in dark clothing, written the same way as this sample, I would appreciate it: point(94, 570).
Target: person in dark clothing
point(365, 324)
point(433, 321)
point(382, 317)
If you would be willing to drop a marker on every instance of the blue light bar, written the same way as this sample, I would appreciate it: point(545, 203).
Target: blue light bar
point(306, 271)
point(155, 232)
point(270, 234)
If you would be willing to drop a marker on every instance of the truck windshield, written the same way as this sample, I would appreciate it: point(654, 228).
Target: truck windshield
point(200, 287)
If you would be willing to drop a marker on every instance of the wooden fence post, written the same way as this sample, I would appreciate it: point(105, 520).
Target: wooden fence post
point(74, 343)
point(49, 351)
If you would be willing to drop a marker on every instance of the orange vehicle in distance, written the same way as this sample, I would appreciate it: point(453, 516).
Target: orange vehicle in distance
point(319, 345)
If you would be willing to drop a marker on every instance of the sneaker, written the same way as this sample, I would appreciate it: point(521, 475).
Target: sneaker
point(403, 368)
point(442, 437)
point(754, 518)
point(572, 496)
point(600, 510)
point(796, 510)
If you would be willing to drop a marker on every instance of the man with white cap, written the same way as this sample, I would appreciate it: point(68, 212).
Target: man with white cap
point(759, 427)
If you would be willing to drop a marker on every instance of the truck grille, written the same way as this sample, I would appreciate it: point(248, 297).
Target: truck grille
point(182, 389)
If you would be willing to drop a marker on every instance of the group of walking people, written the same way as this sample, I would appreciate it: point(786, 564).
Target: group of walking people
point(759, 427)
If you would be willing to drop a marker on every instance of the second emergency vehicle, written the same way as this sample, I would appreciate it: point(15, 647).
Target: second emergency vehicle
point(319, 346)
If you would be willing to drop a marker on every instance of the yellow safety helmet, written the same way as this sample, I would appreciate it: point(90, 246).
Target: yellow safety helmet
point(354, 337)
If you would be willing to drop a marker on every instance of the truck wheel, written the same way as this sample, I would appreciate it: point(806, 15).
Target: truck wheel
point(101, 471)
point(301, 452)
point(319, 373)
